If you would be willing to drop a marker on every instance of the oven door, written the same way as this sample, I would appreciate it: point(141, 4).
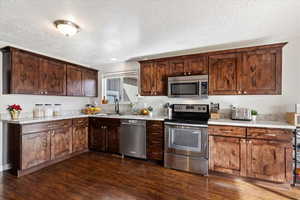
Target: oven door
point(183, 89)
point(186, 139)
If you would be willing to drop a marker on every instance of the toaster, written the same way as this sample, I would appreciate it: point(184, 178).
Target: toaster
point(240, 114)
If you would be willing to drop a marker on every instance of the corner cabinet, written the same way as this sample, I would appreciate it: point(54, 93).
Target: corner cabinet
point(29, 73)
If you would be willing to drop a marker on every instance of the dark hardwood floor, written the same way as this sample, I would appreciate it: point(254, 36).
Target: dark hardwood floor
point(98, 176)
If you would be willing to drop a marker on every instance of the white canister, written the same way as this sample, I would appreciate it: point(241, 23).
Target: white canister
point(48, 110)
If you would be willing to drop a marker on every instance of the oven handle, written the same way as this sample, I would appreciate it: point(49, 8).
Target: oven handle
point(183, 124)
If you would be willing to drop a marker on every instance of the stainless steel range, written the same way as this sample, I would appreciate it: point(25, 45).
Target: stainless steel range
point(186, 138)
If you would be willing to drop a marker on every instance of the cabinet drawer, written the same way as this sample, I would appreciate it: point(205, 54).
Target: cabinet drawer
point(269, 134)
point(155, 125)
point(38, 127)
point(81, 122)
point(227, 131)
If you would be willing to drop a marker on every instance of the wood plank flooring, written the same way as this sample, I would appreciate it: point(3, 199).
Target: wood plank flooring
point(98, 176)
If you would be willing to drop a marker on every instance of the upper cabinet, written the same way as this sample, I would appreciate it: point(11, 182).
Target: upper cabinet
point(223, 74)
point(244, 71)
point(29, 73)
point(261, 71)
point(52, 77)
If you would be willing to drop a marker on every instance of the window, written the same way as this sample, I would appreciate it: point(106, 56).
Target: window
point(123, 86)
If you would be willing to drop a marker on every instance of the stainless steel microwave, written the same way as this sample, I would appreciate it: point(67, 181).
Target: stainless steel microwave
point(188, 86)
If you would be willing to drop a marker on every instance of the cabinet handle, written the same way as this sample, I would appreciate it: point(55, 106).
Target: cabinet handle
point(46, 92)
point(239, 92)
point(189, 73)
point(270, 134)
point(249, 142)
point(41, 92)
point(243, 140)
point(184, 73)
point(53, 133)
point(245, 92)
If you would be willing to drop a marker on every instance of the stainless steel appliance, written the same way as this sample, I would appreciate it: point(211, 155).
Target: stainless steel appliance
point(188, 86)
point(186, 138)
point(133, 138)
point(241, 114)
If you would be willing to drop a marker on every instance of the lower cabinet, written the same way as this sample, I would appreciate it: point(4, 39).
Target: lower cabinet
point(227, 155)
point(35, 149)
point(264, 154)
point(155, 140)
point(80, 135)
point(104, 135)
point(269, 160)
point(61, 142)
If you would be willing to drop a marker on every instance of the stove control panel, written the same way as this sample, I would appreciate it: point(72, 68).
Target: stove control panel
point(195, 108)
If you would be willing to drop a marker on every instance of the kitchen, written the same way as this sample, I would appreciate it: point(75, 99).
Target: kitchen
point(113, 120)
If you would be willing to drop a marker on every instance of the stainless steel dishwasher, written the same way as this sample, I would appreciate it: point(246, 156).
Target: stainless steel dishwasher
point(133, 138)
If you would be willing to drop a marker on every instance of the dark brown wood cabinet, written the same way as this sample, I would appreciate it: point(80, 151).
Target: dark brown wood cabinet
point(80, 134)
point(52, 77)
point(104, 135)
point(74, 81)
point(29, 73)
point(35, 149)
point(155, 140)
point(245, 71)
point(21, 72)
point(90, 83)
point(223, 73)
point(61, 142)
point(260, 153)
point(261, 71)
point(227, 155)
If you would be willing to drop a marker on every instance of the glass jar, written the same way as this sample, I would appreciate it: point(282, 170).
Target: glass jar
point(38, 111)
point(48, 110)
point(57, 110)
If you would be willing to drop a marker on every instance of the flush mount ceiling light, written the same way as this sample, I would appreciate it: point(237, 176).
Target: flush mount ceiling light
point(66, 27)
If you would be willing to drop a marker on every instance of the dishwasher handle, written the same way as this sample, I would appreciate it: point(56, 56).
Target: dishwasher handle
point(133, 122)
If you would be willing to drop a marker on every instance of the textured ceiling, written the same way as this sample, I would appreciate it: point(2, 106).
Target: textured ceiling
point(126, 29)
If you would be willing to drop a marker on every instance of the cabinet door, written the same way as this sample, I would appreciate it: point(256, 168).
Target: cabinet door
point(155, 140)
point(80, 138)
point(61, 142)
point(176, 67)
point(228, 155)
point(90, 83)
point(35, 149)
point(196, 65)
point(113, 134)
point(269, 160)
point(262, 72)
point(160, 78)
point(25, 73)
point(223, 74)
point(147, 78)
point(74, 81)
point(53, 77)
point(97, 136)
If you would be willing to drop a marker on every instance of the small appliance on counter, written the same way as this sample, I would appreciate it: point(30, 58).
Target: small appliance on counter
point(240, 113)
point(293, 118)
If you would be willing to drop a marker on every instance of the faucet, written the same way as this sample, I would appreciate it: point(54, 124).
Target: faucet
point(117, 106)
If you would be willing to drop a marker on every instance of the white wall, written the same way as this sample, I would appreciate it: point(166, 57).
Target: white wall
point(265, 104)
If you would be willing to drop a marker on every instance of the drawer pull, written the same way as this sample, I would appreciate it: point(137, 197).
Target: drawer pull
point(270, 134)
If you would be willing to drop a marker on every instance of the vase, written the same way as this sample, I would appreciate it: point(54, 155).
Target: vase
point(253, 117)
point(15, 114)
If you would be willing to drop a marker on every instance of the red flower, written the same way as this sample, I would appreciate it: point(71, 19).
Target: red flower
point(14, 107)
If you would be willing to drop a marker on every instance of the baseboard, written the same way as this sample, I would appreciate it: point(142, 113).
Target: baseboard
point(5, 167)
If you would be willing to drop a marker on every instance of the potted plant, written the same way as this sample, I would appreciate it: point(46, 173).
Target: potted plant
point(14, 111)
point(254, 114)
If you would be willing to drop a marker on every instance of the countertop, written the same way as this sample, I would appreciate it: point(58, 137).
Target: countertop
point(29, 120)
point(225, 122)
point(258, 124)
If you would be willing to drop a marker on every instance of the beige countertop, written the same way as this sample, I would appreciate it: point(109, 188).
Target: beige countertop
point(225, 122)
point(29, 120)
point(258, 124)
